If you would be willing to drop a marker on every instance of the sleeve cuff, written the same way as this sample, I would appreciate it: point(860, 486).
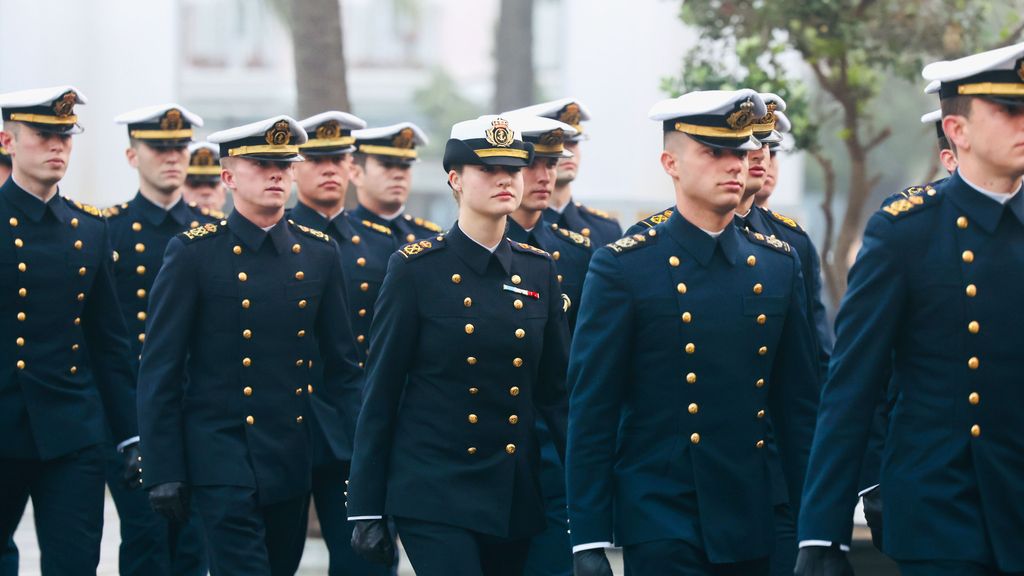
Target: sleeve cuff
point(866, 490)
point(127, 443)
point(354, 518)
point(823, 543)
point(590, 546)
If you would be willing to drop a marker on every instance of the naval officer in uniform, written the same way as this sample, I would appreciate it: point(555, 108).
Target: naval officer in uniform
point(244, 314)
point(203, 186)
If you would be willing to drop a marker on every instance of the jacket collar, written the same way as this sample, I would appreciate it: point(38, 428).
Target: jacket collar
point(31, 206)
point(698, 243)
point(980, 209)
point(476, 256)
point(156, 215)
point(253, 236)
point(338, 226)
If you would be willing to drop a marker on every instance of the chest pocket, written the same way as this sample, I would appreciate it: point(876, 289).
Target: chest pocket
point(769, 305)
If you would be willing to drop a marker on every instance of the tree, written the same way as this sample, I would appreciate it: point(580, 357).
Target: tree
point(319, 54)
point(849, 47)
point(514, 73)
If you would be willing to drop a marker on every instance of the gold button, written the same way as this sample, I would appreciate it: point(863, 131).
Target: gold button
point(362, 312)
point(21, 316)
point(73, 370)
point(296, 248)
point(193, 224)
point(309, 389)
point(300, 333)
point(77, 321)
point(22, 292)
point(968, 256)
point(471, 360)
point(356, 239)
point(18, 243)
point(140, 247)
point(21, 363)
point(13, 222)
point(510, 448)
point(760, 414)
point(20, 341)
point(250, 420)
point(81, 271)
point(237, 249)
point(247, 334)
point(975, 430)
point(556, 255)
point(759, 383)
point(298, 363)
point(473, 419)
point(973, 327)
point(690, 348)
point(469, 328)
point(693, 408)
point(410, 237)
point(520, 333)
point(761, 319)
point(961, 222)
point(517, 362)
point(364, 287)
point(22, 267)
point(471, 450)
point(687, 317)
point(360, 261)
point(141, 293)
point(246, 303)
point(513, 419)
point(474, 391)
point(141, 316)
point(467, 302)
point(136, 226)
point(360, 338)
point(514, 391)
point(247, 390)
point(142, 337)
point(758, 288)
point(760, 444)
point(74, 222)
point(973, 363)
point(140, 270)
point(517, 304)
point(585, 231)
point(242, 276)
point(681, 288)
point(762, 350)
point(673, 261)
point(302, 303)
point(298, 420)
point(78, 244)
point(246, 362)
point(695, 438)
point(971, 290)
point(974, 398)
point(516, 279)
point(456, 278)
point(559, 277)
point(299, 275)
point(74, 347)
point(751, 260)
point(691, 378)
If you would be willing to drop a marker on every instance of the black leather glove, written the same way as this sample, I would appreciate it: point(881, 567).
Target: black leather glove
point(131, 474)
point(822, 561)
point(873, 514)
point(170, 500)
point(592, 562)
point(371, 539)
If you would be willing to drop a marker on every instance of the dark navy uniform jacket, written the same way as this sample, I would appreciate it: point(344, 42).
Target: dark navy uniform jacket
point(597, 225)
point(934, 295)
point(66, 367)
point(243, 313)
point(467, 348)
point(689, 376)
point(404, 228)
point(364, 249)
point(139, 233)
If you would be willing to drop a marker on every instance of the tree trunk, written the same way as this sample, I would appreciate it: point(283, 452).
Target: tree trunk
point(514, 73)
point(827, 255)
point(319, 56)
point(853, 219)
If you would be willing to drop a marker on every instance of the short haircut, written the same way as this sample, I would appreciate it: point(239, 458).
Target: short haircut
point(957, 106)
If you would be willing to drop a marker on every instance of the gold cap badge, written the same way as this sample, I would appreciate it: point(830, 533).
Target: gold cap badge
point(280, 134)
point(500, 134)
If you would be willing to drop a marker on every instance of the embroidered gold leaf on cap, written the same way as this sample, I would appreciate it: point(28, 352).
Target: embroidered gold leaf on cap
point(328, 130)
point(65, 105)
point(171, 120)
point(499, 134)
point(570, 114)
point(404, 139)
point(280, 134)
point(743, 116)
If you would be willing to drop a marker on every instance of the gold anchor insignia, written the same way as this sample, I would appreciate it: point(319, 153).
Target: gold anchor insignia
point(202, 157)
point(280, 134)
point(769, 117)
point(552, 138)
point(171, 120)
point(65, 106)
point(328, 130)
point(742, 117)
point(500, 134)
point(570, 114)
point(404, 139)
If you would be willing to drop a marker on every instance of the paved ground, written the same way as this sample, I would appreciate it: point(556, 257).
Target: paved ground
point(866, 559)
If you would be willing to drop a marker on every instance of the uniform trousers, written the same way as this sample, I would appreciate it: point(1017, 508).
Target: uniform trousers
point(245, 537)
point(784, 555)
point(950, 568)
point(681, 558)
point(67, 501)
point(442, 550)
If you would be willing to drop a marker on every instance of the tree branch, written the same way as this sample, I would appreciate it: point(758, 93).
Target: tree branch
point(878, 138)
point(1014, 36)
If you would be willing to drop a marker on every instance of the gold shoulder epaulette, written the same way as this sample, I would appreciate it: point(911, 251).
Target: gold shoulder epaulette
point(572, 237)
point(88, 209)
point(785, 220)
point(310, 231)
point(770, 241)
point(422, 223)
point(596, 212)
point(112, 211)
point(205, 231)
point(627, 243)
point(524, 247)
point(655, 219)
point(377, 227)
point(917, 191)
point(420, 247)
point(899, 205)
point(213, 213)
